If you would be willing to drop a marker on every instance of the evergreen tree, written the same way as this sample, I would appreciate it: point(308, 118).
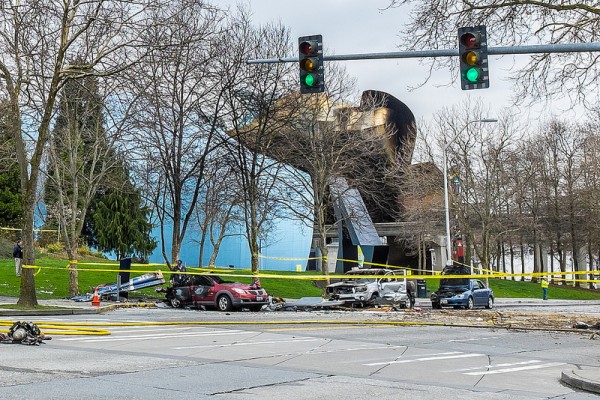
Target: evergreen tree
point(120, 224)
point(86, 170)
point(11, 201)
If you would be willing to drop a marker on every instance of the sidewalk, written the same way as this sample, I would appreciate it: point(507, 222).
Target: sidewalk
point(63, 307)
point(585, 378)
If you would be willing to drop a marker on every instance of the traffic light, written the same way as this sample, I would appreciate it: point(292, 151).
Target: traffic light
point(472, 52)
point(311, 64)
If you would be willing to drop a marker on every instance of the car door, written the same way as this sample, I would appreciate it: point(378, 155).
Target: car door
point(388, 284)
point(479, 293)
point(202, 290)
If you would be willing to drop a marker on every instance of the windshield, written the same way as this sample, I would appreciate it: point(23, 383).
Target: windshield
point(454, 282)
point(363, 280)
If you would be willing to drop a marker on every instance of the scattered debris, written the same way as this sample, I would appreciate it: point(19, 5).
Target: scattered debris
point(23, 333)
point(140, 282)
point(584, 325)
point(311, 303)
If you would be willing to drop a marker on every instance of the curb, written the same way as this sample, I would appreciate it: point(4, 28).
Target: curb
point(577, 379)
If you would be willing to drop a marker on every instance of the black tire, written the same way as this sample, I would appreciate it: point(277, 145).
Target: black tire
point(224, 303)
point(490, 303)
point(175, 302)
point(470, 304)
point(373, 299)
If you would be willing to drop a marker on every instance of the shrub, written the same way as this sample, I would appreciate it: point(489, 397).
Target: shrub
point(83, 250)
point(56, 247)
point(6, 247)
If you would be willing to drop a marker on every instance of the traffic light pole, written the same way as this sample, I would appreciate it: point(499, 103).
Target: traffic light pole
point(532, 49)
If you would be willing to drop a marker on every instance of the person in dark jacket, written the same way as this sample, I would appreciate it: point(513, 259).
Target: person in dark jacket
point(411, 291)
point(18, 255)
point(179, 279)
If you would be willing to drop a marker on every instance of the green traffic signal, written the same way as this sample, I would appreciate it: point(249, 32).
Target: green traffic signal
point(309, 80)
point(472, 75)
point(473, 57)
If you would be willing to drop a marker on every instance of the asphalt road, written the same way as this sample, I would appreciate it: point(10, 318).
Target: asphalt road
point(289, 360)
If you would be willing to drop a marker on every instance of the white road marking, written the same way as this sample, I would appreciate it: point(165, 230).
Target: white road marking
point(440, 356)
point(506, 370)
point(473, 339)
point(353, 349)
point(248, 343)
point(496, 366)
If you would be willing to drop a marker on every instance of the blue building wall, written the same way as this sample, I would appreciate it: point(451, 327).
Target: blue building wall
point(289, 241)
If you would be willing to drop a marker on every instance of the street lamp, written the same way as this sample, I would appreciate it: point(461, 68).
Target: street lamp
point(447, 209)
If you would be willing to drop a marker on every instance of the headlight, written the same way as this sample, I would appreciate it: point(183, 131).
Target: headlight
point(361, 288)
point(239, 291)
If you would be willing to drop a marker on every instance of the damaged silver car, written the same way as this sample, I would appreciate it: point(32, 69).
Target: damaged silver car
point(368, 286)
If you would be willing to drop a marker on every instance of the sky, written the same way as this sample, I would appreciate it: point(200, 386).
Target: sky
point(359, 26)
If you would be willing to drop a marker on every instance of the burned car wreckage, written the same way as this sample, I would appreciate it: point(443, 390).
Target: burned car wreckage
point(213, 292)
point(372, 286)
point(461, 292)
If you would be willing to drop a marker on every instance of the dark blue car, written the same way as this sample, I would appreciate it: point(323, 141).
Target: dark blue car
point(462, 292)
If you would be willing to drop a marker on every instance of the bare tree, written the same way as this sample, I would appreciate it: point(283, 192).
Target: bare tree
point(477, 158)
point(256, 115)
point(564, 144)
point(178, 115)
point(81, 154)
point(422, 188)
point(37, 40)
point(433, 24)
point(341, 151)
point(590, 192)
point(218, 213)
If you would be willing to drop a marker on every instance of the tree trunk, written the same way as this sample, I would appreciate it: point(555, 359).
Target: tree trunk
point(324, 263)
point(73, 273)
point(73, 278)
point(27, 296)
point(512, 259)
point(522, 258)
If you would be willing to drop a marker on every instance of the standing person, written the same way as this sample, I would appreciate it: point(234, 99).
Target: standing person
point(544, 289)
point(411, 291)
point(179, 279)
point(18, 255)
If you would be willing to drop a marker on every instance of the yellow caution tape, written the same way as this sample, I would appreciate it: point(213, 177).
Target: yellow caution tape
point(245, 273)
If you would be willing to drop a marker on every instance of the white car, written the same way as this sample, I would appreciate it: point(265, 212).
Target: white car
point(369, 286)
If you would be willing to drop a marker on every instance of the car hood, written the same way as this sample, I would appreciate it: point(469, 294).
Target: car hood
point(345, 284)
point(451, 291)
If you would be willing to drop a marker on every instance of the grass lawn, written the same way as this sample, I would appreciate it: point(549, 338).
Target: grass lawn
point(52, 282)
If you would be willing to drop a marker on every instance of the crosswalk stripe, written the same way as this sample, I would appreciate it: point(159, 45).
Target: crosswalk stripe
point(441, 356)
point(253, 343)
point(506, 370)
point(496, 366)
